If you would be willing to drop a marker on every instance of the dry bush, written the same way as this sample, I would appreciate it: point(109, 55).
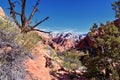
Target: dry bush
point(12, 56)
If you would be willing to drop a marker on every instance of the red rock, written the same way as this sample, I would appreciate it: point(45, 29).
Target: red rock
point(58, 43)
point(36, 67)
point(61, 44)
point(2, 12)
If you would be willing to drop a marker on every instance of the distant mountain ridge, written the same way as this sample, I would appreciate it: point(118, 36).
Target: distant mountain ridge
point(68, 35)
point(63, 41)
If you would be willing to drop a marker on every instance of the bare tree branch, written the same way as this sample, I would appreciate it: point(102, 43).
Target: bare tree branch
point(40, 22)
point(12, 12)
point(23, 18)
point(25, 23)
point(40, 31)
point(33, 11)
point(18, 13)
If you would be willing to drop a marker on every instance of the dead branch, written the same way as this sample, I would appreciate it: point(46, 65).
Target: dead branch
point(18, 13)
point(25, 23)
point(38, 23)
point(33, 11)
point(23, 18)
point(12, 12)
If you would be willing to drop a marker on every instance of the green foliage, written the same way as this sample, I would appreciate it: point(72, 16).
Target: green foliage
point(94, 27)
point(105, 65)
point(116, 8)
point(28, 40)
point(70, 61)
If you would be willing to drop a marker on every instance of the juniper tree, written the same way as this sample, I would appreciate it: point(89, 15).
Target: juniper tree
point(116, 8)
point(94, 27)
point(105, 65)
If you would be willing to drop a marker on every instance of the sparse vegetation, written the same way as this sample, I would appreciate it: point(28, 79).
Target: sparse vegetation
point(15, 48)
point(116, 8)
point(27, 40)
point(11, 54)
point(70, 61)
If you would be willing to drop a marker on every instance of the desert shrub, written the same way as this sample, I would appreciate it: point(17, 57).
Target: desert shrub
point(11, 63)
point(12, 56)
point(27, 40)
point(70, 61)
point(13, 52)
point(7, 36)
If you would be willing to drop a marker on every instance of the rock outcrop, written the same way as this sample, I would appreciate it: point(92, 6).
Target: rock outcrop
point(62, 44)
point(2, 12)
point(36, 67)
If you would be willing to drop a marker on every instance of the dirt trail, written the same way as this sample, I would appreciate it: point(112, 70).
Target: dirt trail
point(36, 67)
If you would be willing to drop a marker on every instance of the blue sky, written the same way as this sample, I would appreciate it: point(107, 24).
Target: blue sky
point(69, 15)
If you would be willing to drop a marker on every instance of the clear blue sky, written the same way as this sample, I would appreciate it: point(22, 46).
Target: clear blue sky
point(69, 15)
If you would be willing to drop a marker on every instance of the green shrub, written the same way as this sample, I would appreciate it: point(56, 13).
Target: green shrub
point(105, 64)
point(28, 40)
point(70, 61)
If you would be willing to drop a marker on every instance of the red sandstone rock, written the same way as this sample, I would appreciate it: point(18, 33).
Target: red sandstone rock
point(58, 43)
point(36, 67)
point(2, 12)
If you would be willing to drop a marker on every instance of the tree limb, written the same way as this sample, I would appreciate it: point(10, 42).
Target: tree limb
point(40, 22)
point(33, 11)
point(25, 23)
point(12, 12)
point(23, 18)
point(18, 13)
